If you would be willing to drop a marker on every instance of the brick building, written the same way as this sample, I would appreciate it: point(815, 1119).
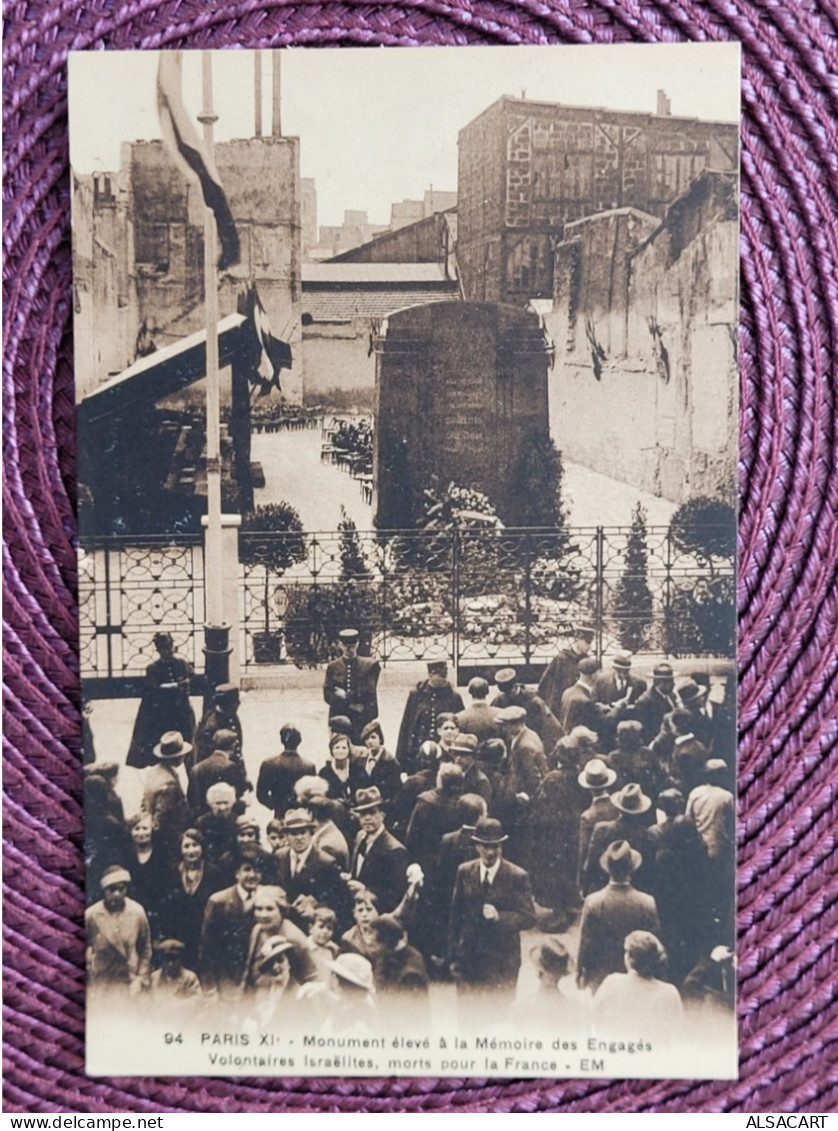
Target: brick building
point(528, 168)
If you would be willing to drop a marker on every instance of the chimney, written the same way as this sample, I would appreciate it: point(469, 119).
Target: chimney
point(664, 105)
point(276, 122)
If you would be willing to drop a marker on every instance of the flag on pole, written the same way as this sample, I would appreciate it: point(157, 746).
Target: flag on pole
point(191, 155)
point(270, 353)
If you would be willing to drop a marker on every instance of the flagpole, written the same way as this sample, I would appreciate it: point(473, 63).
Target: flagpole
point(213, 567)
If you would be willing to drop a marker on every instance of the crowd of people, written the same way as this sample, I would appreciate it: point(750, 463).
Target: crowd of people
point(594, 802)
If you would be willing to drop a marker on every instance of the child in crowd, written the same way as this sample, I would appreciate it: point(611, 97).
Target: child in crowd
point(320, 934)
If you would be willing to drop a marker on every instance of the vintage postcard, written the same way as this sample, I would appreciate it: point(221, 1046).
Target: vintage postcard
point(407, 406)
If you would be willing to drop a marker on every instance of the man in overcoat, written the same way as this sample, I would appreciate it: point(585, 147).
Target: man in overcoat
point(379, 861)
point(611, 913)
point(277, 775)
point(351, 684)
point(492, 904)
point(431, 698)
point(563, 670)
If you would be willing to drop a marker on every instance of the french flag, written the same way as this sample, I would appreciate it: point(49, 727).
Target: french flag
point(190, 154)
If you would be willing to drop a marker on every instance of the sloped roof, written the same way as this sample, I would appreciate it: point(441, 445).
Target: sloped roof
point(360, 274)
point(355, 302)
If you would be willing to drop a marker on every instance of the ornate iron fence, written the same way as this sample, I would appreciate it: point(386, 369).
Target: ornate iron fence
point(130, 588)
point(480, 598)
point(477, 598)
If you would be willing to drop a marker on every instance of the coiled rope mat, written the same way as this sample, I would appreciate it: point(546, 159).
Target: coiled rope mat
point(788, 887)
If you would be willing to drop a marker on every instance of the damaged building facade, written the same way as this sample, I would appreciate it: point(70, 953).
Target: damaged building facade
point(621, 230)
point(138, 253)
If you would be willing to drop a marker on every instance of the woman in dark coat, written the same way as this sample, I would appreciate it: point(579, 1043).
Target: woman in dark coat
point(150, 870)
point(193, 882)
point(165, 703)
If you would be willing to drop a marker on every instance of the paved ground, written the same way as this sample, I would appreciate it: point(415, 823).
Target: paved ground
point(295, 473)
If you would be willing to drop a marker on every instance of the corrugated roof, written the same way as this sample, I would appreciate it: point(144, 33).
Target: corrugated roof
point(372, 273)
point(349, 303)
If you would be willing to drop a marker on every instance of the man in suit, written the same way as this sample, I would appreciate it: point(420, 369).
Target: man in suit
point(223, 714)
point(379, 765)
point(379, 861)
point(579, 708)
point(228, 922)
point(217, 768)
point(527, 765)
point(351, 684)
point(598, 778)
point(166, 784)
point(611, 913)
point(478, 718)
point(563, 670)
point(303, 870)
point(657, 702)
point(632, 825)
point(512, 693)
point(431, 698)
point(616, 691)
point(277, 775)
point(491, 905)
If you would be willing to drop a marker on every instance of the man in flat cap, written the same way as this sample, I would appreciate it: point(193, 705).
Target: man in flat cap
point(430, 698)
point(579, 708)
point(351, 684)
point(171, 980)
point(118, 937)
point(563, 670)
point(492, 904)
point(513, 693)
point(527, 766)
point(222, 714)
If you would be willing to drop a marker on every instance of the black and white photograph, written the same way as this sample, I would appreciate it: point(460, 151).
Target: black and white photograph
point(407, 401)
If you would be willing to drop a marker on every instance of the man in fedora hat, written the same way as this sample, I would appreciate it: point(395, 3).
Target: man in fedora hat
point(164, 705)
point(430, 698)
point(513, 693)
point(616, 691)
point(303, 870)
point(118, 937)
point(657, 701)
point(632, 825)
point(598, 778)
point(351, 684)
point(379, 861)
point(492, 904)
point(166, 786)
point(563, 670)
point(611, 913)
point(228, 923)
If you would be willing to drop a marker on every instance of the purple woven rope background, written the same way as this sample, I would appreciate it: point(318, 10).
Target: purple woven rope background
point(788, 540)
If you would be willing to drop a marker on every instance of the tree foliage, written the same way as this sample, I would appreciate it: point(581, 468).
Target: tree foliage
point(632, 606)
point(705, 528)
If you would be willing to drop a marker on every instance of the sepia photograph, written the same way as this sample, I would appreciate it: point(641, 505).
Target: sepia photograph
point(407, 401)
